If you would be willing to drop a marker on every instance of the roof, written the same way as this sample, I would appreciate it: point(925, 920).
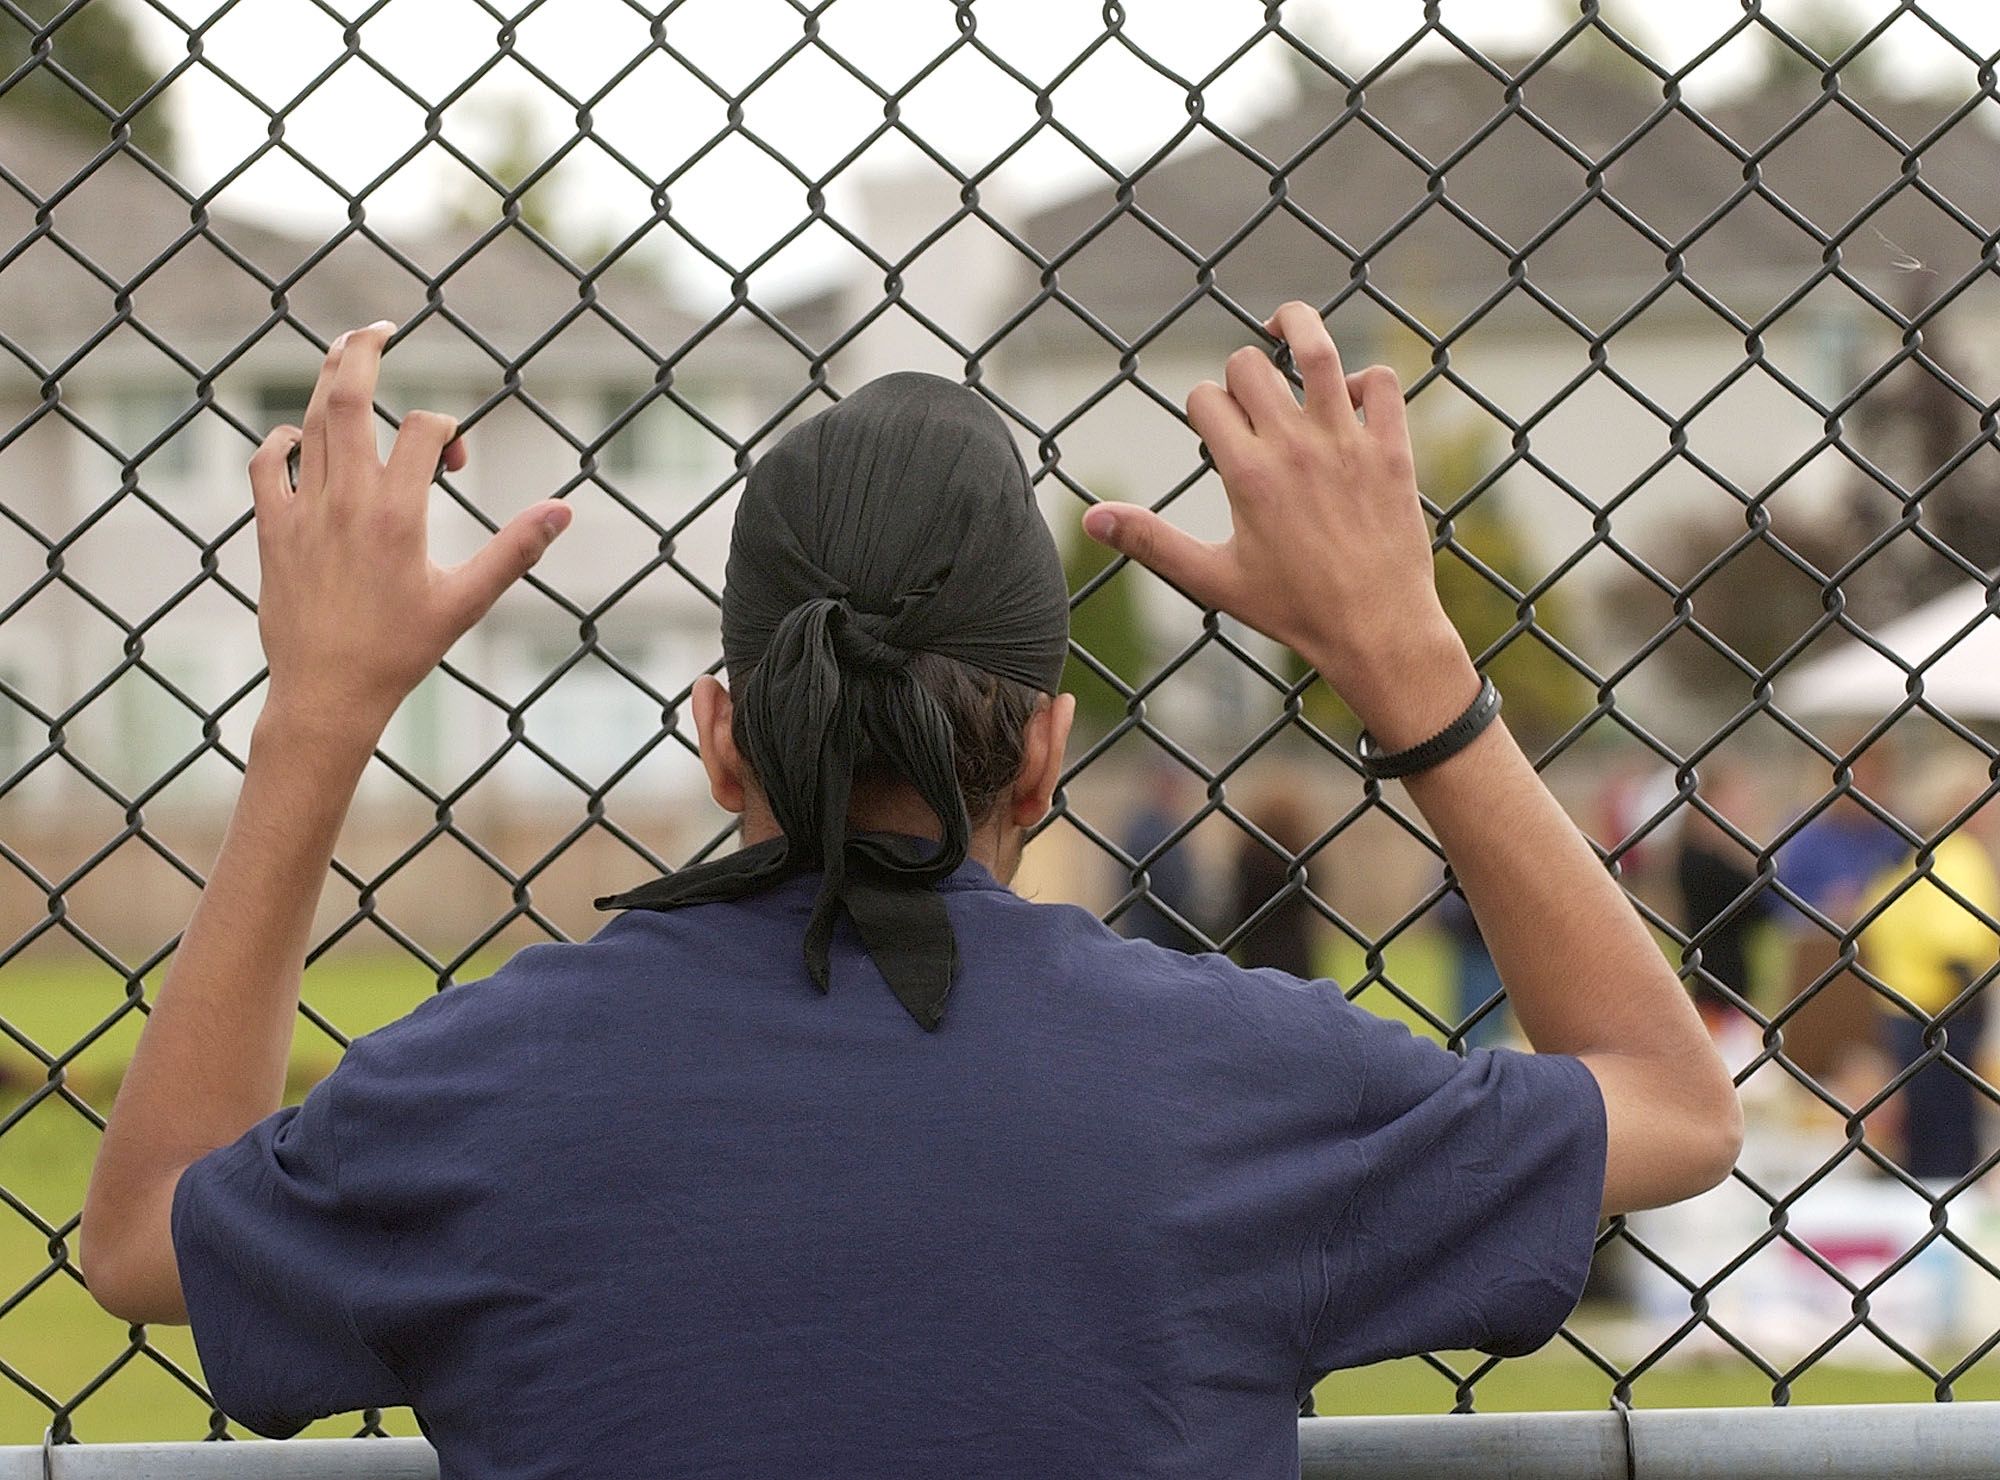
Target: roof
point(199, 299)
point(1369, 196)
point(1519, 183)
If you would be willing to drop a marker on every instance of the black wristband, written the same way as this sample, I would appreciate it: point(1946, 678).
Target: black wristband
point(1442, 746)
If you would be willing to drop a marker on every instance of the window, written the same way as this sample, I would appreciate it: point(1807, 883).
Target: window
point(156, 731)
point(660, 440)
point(138, 416)
point(415, 734)
point(1838, 343)
point(623, 455)
point(593, 718)
point(13, 723)
point(282, 402)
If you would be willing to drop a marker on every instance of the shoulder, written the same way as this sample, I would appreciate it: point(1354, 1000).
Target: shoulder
point(523, 1002)
point(1095, 974)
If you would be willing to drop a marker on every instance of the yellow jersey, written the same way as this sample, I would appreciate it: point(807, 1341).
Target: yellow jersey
point(1914, 943)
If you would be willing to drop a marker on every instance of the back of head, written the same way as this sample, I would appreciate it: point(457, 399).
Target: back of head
point(893, 607)
point(889, 540)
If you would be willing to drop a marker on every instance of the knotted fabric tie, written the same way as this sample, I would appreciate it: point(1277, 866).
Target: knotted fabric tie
point(829, 679)
point(901, 520)
point(857, 640)
point(883, 887)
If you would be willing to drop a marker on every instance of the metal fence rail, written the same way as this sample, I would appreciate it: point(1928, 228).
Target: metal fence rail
point(1699, 355)
point(1955, 1442)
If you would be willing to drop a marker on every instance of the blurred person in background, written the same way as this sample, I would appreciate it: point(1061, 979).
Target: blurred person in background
point(1285, 937)
point(1475, 976)
point(1715, 874)
point(726, 1189)
point(1931, 945)
point(1173, 878)
point(1625, 805)
point(1829, 863)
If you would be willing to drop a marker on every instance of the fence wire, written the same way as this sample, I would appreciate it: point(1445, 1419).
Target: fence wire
point(1703, 409)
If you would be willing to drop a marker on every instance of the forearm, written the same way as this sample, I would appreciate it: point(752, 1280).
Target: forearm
point(1582, 971)
point(1329, 552)
point(211, 1060)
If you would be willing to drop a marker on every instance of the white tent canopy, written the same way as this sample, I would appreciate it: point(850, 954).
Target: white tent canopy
point(1953, 639)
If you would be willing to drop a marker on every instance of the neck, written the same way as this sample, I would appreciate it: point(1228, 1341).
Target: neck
point(993, 845)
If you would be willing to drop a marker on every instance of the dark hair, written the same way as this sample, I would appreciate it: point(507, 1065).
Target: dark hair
point(988, 718)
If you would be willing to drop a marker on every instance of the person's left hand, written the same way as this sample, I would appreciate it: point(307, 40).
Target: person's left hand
point(352, 612)
point(1329, 550)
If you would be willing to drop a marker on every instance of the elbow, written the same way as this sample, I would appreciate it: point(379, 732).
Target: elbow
point(130, 1296)
point(105, 1278)
point(1713, 1135)
point(1674, 1128)
point(124, 1282)
point(1727, 1135)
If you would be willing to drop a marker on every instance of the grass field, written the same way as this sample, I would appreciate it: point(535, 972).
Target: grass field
point(56, 1344)
point(56, 1339)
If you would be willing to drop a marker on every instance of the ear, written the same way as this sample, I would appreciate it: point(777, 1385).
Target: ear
point(1042, 747)
point(713, 714)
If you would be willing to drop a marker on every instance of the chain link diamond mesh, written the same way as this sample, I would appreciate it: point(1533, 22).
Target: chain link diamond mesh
point(1702, 409)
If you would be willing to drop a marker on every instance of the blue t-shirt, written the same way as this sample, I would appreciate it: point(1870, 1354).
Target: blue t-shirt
point(1832, 859)
point(651, 1205)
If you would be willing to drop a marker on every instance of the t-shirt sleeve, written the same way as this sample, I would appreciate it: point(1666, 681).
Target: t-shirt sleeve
point(276, 1256)
point(1471, 1212)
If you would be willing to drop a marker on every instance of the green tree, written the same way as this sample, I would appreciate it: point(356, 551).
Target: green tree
point(1544, 694)
point(1109, 624)
point(1754, 598)
point(1828, 28)
point(1756, 601)
point(512, 147)
point(98, 48)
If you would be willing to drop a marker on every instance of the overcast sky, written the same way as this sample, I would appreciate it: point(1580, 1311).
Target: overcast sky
point(738, 201)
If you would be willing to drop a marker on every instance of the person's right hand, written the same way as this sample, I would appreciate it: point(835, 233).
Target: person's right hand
point(1330, 551)
point(351, 610)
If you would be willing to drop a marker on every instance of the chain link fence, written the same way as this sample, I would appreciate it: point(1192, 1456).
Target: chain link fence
point(1690, 331)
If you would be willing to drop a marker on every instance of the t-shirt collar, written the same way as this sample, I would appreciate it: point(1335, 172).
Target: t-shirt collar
point(971, 874)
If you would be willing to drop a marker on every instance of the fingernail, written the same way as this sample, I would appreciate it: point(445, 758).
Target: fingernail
point(384, 325)
point(1100, 524)
point(334, 348)
point(556, 521)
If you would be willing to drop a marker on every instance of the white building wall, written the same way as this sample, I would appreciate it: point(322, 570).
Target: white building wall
point(1126, 445)
point(1599, 439)
point(134, 562)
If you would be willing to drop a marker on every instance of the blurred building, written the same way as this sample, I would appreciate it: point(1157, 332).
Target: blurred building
point(1594, 277)
point(1619, 303)
point(147, 350)
point(117, 494)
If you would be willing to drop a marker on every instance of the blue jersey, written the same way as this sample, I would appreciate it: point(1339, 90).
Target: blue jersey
point(652, 1205)
point(1833, 860)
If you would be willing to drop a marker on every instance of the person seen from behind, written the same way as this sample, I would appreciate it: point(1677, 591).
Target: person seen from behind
point(1479, 1002)
point(1841, 845)
point(835, 1156)
point(1164, 868)
point(1933, 942)
point(1721, 901)
point(1272, 875)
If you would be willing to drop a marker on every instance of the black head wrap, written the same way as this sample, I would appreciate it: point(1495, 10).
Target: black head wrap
point(900, 520)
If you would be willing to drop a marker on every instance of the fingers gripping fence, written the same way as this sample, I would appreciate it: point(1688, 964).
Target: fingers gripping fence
point(1688, 334)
